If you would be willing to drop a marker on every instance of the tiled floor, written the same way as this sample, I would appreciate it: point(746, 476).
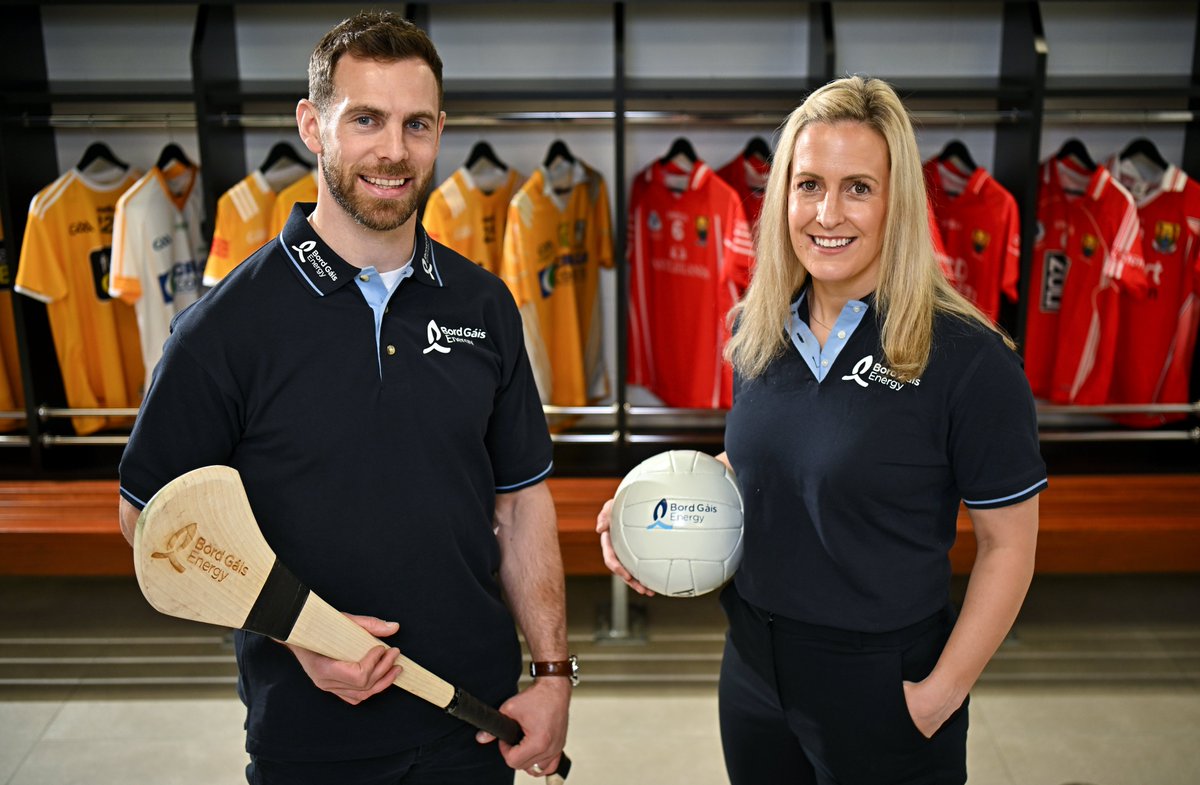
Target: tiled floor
point(1100, 684)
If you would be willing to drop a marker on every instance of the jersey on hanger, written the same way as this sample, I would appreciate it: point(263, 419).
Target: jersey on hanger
point(65, 260)
point(242, 225)
point(690, 253)
point(1104, 264)
point(469, 213)
point(1158, 332)
point(12, 397)
point(1060, 182)
point(980, 231)
point(157, 251)
point(557, 237)
point(748, 176)
point(303, 190)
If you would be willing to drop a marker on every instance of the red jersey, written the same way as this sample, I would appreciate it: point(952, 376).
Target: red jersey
point(747, 174)
point(1061, 182)
point(690, 254)
point(1158, 332)
point(981, 232)
point(1104, 263)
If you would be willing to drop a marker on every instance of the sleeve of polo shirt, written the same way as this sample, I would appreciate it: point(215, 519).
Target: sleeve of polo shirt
point(186, 421)
point(517, 439)
point(993, 440)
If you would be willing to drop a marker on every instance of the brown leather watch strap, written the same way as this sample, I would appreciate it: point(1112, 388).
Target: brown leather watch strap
point(568, 668)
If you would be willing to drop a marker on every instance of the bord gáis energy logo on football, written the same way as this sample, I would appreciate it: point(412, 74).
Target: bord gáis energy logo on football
point(669, 514)
point(185, 548)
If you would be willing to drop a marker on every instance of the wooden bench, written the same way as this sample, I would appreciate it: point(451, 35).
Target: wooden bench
point(1089, 524)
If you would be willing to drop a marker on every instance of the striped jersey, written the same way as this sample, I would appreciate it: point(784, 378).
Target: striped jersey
point(242, 225)
point(690, 256)
point(558, 236)
point(468, 212)
point(303, 190)
point(1104, 264)
point(1158, 332)
point(65, 262)
point(158, 250)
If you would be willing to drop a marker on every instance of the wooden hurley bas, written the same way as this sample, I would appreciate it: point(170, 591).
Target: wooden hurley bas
point(199, 555)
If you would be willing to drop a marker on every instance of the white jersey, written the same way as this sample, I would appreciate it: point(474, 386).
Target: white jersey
point(158, 251)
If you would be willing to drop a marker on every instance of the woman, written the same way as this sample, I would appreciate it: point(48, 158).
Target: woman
point(870, 399)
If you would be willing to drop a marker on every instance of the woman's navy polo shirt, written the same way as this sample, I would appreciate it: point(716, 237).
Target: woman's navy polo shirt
point(852, 485)
point(371, 460)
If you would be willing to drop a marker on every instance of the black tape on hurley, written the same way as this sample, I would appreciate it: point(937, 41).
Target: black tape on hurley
point(278, 605)
point(473, 711)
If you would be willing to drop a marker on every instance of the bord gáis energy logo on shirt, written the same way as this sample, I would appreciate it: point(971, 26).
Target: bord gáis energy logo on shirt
point(312, 257)
point(440, 336)
point(866, 371)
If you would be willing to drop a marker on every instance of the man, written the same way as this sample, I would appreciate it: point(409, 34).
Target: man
point(372, 388)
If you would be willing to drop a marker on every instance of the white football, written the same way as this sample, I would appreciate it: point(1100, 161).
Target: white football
point(677, 523)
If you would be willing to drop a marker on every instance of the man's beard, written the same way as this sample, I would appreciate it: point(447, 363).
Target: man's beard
point(381, 215)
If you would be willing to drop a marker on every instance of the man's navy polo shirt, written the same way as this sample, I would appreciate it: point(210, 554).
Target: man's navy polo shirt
point(371, 461)
point(852, 484)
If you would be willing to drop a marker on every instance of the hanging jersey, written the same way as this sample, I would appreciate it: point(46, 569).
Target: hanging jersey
point(303, 190)
point(157, 248)
point(65, 260)
point(981, 233)
point(1104, 263)
point(12, 398)
point(558, 235)
point(748, 176)
point(242, 225)
point(691, 254)
point(1158, 332)
point(468, 212)
point(1061, 181)
point(939, 247)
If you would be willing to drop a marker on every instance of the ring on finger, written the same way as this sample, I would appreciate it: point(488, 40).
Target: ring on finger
point(537, 768)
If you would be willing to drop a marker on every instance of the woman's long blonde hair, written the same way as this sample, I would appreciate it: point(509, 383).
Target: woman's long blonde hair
point(911, 285)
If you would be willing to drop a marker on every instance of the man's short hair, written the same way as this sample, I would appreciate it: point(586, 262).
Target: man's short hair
point(370, 35)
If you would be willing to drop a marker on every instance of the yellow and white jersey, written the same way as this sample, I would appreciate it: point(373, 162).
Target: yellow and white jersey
point(468, 212)
point(558, 236)
point(157, 251)
point(64, 263)
point(303, 190)
point(242, 225)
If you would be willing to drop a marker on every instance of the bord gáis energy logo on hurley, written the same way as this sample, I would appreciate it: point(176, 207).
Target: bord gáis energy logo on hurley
point(185, 548)
point(668, 514)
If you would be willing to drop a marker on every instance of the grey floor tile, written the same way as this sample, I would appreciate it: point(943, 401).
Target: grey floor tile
point(180, 761)
point(22, 724)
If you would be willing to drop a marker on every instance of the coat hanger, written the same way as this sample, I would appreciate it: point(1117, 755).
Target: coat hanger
point(956, 153)
point(482, 151)
point(172, 152)
point(757, 148)
point(282, 152)
point(1077, 151)
point(558, 151)
point(99, 151)
point(681, 147)
point(1146, 149)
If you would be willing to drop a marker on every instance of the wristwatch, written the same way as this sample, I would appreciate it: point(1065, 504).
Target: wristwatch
point(568, 668)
